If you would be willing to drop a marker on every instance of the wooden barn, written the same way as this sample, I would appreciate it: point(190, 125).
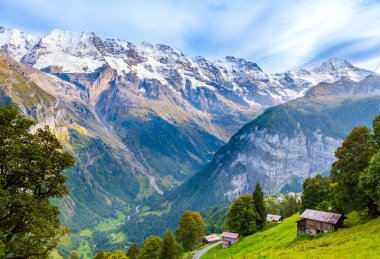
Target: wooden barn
point(229, 238)
point(313, 222)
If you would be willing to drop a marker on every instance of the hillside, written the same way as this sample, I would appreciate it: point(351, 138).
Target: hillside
point(289, 141)
point(360, 241)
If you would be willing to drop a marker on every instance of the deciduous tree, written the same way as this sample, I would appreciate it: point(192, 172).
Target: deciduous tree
point(151, 248)
point(242, 217)
point(31, 174)
point(190, 230)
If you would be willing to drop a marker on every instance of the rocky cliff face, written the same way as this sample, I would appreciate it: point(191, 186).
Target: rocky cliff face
point(293, 140)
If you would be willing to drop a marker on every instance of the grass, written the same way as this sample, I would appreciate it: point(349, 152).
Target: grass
point(110, 223)
point(359, 241)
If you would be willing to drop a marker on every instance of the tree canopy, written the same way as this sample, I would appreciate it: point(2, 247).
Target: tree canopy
point(31, 174)
point(190, 230)
point(170, 249)
point(151, 248)
point(316, 193)
point(242, 217)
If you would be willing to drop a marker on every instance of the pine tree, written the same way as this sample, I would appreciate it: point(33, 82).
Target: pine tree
point(190, 230)
point(258, 202)
point(133, 251)
point(170, 248)
point(242, 217)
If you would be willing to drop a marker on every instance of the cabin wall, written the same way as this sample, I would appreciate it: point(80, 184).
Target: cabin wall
point(312, 227)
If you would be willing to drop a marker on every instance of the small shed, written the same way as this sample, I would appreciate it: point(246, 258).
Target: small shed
point(210, 239)
point(314, 221)
point(229, 238)
point(274, 218)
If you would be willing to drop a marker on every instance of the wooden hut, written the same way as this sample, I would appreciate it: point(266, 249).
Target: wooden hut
point(229, 238)
point(313, 222)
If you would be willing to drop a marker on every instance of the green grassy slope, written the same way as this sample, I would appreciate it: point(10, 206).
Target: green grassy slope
point(360, 241)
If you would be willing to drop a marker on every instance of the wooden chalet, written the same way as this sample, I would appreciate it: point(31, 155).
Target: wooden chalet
point(229, 238)
point(274, 218)
point(313, 222)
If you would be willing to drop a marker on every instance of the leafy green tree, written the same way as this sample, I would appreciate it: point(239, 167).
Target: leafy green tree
point(290, 206)
point(242, 217)
point(316, 193)
point(74, 255)
point(376, 130)
point(170, 249)
point(118, 254)
point(353, 156)
point(258, 202)
point(214, 218)
point(31, 174)
point(190, 230)
point(272, 205)
point(151, 248)
point(370, 183)
point(133, 251)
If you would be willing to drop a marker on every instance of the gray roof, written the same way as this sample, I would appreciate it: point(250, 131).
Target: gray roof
point(322, 216)
point(272, 217)
point(230, 235)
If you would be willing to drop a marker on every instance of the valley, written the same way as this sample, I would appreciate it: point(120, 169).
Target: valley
point(154, 131)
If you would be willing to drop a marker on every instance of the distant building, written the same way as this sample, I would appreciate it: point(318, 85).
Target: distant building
point(313, 222)
point(229, 238)
point(274, 218)
point(210, 239)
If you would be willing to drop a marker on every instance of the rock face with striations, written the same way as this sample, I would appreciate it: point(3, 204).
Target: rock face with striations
point(287, 142)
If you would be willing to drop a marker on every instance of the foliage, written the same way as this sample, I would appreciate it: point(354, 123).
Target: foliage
point(242, 217)
point(285, 206)
point(316, 193)
point(118, 254)
point(214, 218)
point(259, 205)
point(151, 248)
point(31, 174)
point(370, 181)
point(353, 156)
point(133, 251)
point(170, 249)
point(190, 230)
point(74, 255)
point(360, 241)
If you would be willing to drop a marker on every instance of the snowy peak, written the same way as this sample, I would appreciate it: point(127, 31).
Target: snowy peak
point(334, 68)
point(72, 51)
point(15, 42)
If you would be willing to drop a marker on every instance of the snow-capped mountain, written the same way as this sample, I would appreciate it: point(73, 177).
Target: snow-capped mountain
point(146, 113)
point(15, 42)
point(233, 80)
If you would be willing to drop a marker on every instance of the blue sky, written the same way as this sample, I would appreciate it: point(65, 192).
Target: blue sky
point(278, 35)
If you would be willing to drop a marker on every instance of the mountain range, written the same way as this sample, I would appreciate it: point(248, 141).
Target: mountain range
point(142, 119)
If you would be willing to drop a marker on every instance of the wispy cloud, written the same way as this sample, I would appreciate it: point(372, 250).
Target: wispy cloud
point(278, 35)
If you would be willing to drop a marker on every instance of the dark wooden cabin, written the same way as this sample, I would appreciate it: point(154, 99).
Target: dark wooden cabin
point(313, 222)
